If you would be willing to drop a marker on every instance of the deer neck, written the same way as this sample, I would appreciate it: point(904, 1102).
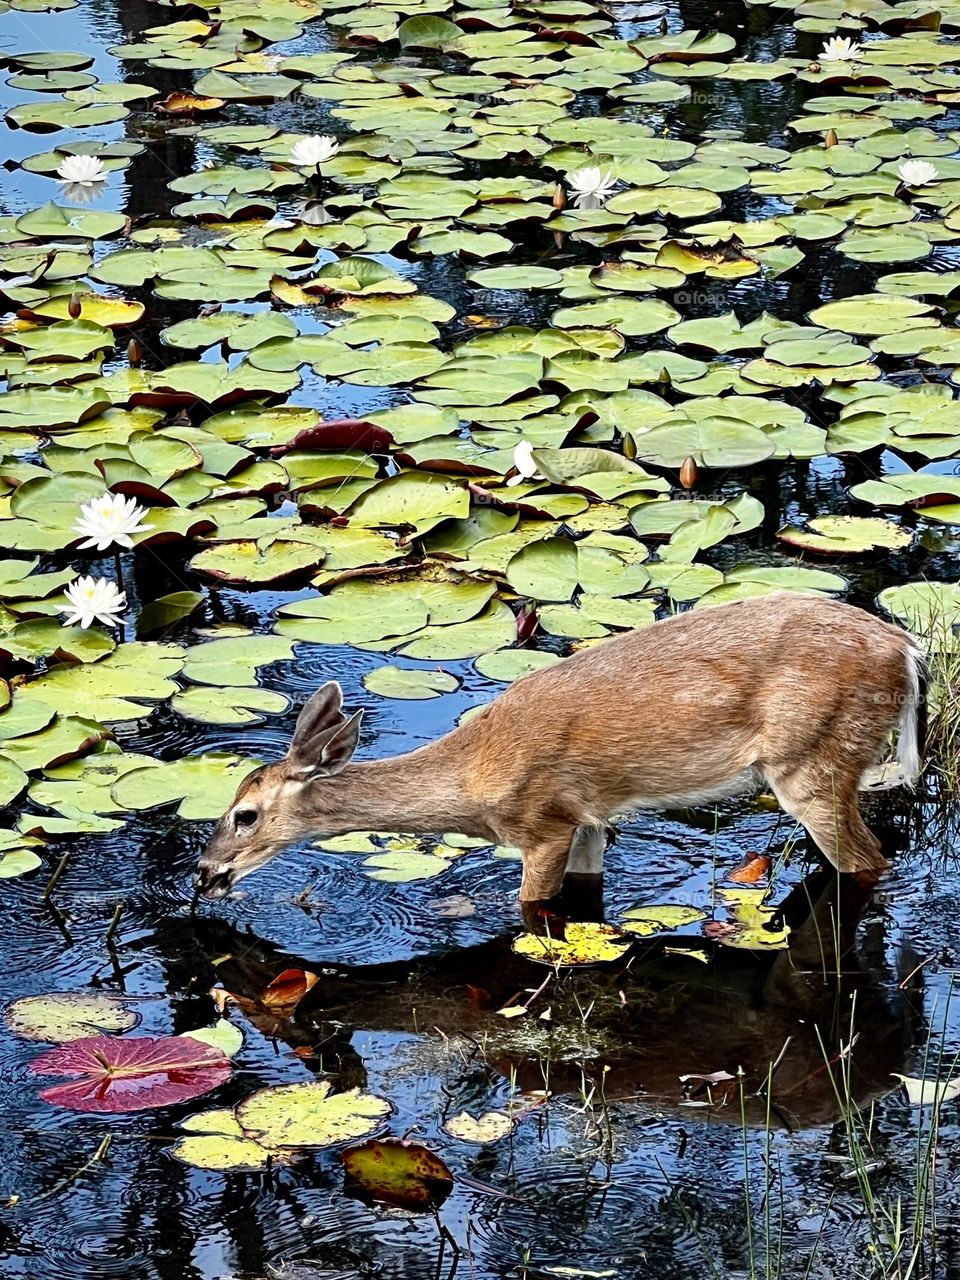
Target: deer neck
point(414, 793)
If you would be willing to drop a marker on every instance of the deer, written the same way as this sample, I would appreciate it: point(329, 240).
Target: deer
point(796, 693)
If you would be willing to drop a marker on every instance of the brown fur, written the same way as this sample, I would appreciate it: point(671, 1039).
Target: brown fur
point(791, 689)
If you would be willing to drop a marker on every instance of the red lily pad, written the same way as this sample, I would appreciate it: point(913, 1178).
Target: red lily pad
point(112, 1075)
point(340, 433)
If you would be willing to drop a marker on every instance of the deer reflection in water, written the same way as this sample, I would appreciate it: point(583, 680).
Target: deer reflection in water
point(654, 1017)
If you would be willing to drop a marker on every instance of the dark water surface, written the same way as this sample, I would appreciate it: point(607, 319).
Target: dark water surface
point(640, 1186)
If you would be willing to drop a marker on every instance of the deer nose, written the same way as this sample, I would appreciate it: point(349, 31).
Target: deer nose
point(214, 881)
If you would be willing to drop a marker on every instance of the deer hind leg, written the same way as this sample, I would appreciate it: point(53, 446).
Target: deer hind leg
point(826, 805)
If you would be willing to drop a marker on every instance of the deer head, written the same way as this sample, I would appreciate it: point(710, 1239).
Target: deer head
point(281, 803)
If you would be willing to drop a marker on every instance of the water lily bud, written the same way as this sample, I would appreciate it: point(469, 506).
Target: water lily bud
point(74, 306)
point(527, 622)
point(629, 447)
point(663, 377)
point(559, 197)
point(558, 239)
point(134, 353)
point(830, 138)
point(688, 473)
point(664, 27)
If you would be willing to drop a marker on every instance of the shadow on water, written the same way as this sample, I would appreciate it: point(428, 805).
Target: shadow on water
point(639, 1026)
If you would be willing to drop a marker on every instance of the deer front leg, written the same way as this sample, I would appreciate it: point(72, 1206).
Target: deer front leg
point(544, 865)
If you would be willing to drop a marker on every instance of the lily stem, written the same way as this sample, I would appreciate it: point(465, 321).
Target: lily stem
point(55, 878)
point(112, 926)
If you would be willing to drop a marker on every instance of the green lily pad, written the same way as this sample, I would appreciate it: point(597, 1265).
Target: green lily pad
point(215, 1141)
point(235, 659)
point(926, 608)
point(847, 535)
point(17, 856)
point(405, 682)
point(106, 690)
point(507, 665)
point(204, 785)
point(228, 706)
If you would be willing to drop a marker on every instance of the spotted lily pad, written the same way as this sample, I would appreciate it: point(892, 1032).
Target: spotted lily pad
point(405, 1175)
point(214, 1140)
point(584, 944)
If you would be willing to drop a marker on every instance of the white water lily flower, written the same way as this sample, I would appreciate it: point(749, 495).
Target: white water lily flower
point(590, 187)
point(917, 173)
point(109, 521)
point(314, 150)
point(839, 49)
point(94, 599)
point(82, 171)
point(524, 464)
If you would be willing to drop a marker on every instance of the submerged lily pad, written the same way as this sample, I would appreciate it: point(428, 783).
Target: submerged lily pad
point(68, 1015)
point(846, 535)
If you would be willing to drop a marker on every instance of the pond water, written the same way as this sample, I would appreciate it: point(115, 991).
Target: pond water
point(614, 1167)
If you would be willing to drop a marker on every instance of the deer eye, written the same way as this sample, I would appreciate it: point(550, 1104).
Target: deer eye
point(244, 818)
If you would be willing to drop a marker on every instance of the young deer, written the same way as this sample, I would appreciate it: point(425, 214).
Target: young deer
point(791, 691)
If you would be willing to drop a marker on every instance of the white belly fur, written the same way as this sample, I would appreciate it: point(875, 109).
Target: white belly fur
point(742, 784)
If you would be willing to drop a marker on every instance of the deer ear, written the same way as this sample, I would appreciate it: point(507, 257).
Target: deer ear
point(322, 711)
point(324, 739)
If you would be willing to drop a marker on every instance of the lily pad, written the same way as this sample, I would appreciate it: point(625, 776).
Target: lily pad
point(409, 683)
point(847, 535)
point(646, 921)
point(110, 1074)
point(584, 944)
point(68, 1015)
point(310, 1115)
point(204, 785)
point(405, 1175)
point(492, 1126)
point(216, 1142)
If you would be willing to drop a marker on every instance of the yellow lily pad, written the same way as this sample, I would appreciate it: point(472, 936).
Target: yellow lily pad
point(645, 921)
point(585, 943)
point(751, 915)
point(490, 1127)
point(217, 1142)
point(307, 1115)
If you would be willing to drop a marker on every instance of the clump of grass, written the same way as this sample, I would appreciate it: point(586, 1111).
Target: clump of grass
point(941, 643)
